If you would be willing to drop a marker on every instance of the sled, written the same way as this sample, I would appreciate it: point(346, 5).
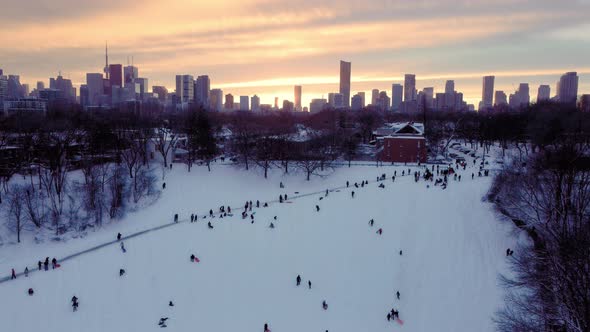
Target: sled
point(288, 202)
point(197, 260)
point(399, 321)
point(57, 265)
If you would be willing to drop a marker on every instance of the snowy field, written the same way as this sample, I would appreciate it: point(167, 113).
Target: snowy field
point(453, 249)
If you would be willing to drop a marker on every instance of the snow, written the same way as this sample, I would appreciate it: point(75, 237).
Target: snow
point(453, 249)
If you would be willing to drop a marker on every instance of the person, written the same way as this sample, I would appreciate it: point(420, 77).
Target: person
point(298, 279)
point(75, 303)
point(26, 271)
point(317, 208)
point(272, 225)
point(210, 213)
point(352, 194)
point(395, 313)
point(164, 185)
point(265, 204)
point(209, 225)
point(13, 275)
point(257, 203)
point(121, 272)
point(31, 292)
point(192, 258)
point(380, 231)
point(123, 247)
point(326, 192)
point(388, 316)
point(170, 304)
point(192, 217)
point(347, 184)
point(381, 186)
point(309, 284)
point(265, 324)
point(118, 236)
point(281, 185)
point(228, 209)
point(400, 252)
point(46, 264)
point(285, 196)
point(325, 305)
point(39, 264)
point(371, 222)
point(397, 293)
point(53, 263)
point(162, 322)
point(280, 198)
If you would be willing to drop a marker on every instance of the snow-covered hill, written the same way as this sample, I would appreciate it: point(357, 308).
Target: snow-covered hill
point(453, 249)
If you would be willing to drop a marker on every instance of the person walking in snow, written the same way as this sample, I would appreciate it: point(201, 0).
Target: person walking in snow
point(352, 194)
point(371, 222)
point(324, 305)
point(31, 292)
point(347, 184)
point(317, 208)
point(309, 284)
point(272, 225)
point(53, 263)
point(123, 247)
point(75, 303)
point(265, 324)
point(209, 225)
point(26, 271)
point(121, 272)
point(257, 203)
point(397, 293)
point(380, 231)
point(119, 236)
point(280, 198)
point(170, 304)
point(13, 275)
point(298, 279)
point(46, 264)
point(39, 263)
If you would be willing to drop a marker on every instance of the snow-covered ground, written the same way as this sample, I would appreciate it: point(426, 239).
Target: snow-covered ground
point(453, 249)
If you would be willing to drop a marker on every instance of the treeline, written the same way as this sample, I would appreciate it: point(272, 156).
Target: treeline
point(547, 194)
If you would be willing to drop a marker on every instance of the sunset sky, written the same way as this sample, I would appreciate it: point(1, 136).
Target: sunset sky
point(267, 46)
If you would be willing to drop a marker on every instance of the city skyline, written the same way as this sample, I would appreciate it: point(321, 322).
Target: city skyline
point(277, 44)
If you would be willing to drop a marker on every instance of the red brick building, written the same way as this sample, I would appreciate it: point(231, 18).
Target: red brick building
point(405, 144)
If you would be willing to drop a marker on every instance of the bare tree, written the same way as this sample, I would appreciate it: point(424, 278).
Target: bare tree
point(164, 141)
point(15, 212)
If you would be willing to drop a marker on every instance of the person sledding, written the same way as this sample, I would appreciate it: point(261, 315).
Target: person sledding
point(123, 247)
point(266, 329)
point(380, 231)
point(121, 272)
point(54, 263)
point(209, 225)
point(371, 222)
point(162, 321)
point(31, 292)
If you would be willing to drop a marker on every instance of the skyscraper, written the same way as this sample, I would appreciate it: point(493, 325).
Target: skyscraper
point(255, 103)
point(487, 93)
point(357, 102)
point(143, 87)
point(397, 93)
point(40, 85)
point(63, 85)
point(374, 96)
point(161, 91)
point(410, 87)
point(317, 105)
point(216, 100)
point(383, 101)
point(130, 73)
point(336, 100)
point(428, 94)
point(202, 87)
point(567, 91)
point(185, 88)
point(345, 68)
point(449, 86)
point(544, 93)
point(229, 101)
point(297, 98)
point(244, 103)
point(95, 87)
point(116, 75)
point(500, 98)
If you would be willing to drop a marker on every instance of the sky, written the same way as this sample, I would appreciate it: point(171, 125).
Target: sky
point(266, 47)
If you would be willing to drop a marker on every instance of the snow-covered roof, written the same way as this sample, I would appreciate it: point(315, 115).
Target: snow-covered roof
point(400, 128)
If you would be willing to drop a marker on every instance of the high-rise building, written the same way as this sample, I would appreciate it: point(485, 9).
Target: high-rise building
point(500, 98)
point(298, 97)
point(276, 103)
point(161, 91)
point(116, 75)
point(3, 87)
point(567, 88)
point(356, 103)
point(397, 93)
point(185, 88)
point(544, 93)
point(584, 104)
point(523, 94)
point(362, 94)
point(130, 73)
point(244, 103)
point(374, 96)
point(487, 92)
point(345, 69)
point(84, 101)
point(336, 100)
point(288, 106)
point(14, 88)
point(40, 85)
point(143, 87)
point(202, 87)
point(410, 93)
point(95, 87)
point(383, 101)
point(449, 87)
point(428, 96)
point(317, 105)
point(229, 101)
point(216, 100)
point(255, 103)
point(64, 85)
